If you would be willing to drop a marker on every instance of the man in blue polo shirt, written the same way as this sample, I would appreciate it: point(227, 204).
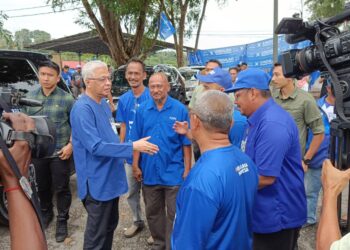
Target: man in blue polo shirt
point(215, 203)
point(99, 157)
point(127, 106)
point(272, 143)
point(162, 174)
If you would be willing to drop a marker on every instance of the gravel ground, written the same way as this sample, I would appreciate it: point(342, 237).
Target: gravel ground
point(77, 222)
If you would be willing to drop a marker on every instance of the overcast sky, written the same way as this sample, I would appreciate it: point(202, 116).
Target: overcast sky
point(238, 22)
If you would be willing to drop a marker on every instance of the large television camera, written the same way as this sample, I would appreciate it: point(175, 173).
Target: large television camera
point(330, 53)
point(41, 140)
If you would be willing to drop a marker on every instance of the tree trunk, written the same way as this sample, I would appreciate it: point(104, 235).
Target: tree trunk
point(200, 24)
point(181, 29)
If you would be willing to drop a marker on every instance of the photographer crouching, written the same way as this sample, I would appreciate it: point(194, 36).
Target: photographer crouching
point(25, 227)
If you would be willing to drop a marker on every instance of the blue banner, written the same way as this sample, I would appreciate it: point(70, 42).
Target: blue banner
point(256, 55)
point(166, 28)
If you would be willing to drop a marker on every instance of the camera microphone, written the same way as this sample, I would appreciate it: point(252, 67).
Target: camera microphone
point(30, 102)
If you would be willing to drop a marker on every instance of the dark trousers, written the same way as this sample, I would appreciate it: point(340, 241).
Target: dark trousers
point(102, 220)
point(160, 204)
point(283, 240)
point(52, 177)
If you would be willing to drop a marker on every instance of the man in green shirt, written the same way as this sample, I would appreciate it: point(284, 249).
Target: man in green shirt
point(53, 173)
point(303, 108)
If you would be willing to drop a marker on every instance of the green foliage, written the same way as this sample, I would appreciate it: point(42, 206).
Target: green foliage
point(72, 56)
point(324, 8)
point(25, 37)
point(5, 35)
point(22, 38)
point(162, 57)
point(39, 36)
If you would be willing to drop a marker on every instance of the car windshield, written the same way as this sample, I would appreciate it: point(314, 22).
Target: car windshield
point(16, 73)
point(189, 74)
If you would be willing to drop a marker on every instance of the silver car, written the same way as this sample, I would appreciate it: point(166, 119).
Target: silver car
point(189, 73)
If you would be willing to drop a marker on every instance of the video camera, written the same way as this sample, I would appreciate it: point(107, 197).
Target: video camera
point(41, 140)
point(330, 53)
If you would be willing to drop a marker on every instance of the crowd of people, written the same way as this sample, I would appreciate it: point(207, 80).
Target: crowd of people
point(259, 144)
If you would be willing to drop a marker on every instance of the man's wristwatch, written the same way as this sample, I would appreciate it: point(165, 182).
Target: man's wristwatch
point(306, 161)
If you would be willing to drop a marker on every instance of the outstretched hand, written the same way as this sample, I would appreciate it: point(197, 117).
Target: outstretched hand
point(181, 127)
point(144, 146)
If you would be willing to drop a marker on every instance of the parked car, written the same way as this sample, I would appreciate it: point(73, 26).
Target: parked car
point(19, 71)
point(120, 84)
point(189, 74)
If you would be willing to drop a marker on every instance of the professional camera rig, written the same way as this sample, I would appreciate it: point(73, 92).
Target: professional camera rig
point(329, 53)
point(41, 140)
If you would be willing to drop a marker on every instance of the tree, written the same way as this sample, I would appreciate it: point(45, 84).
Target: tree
point(110, 18)
point(5, 35)
point(39, 36)
point(324, 8)
point(200, 24)
point(184, 16)
point(22, 38)
point(25, 37)
point(201, 18)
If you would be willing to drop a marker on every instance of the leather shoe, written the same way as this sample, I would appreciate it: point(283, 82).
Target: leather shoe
point(61, 231)
point(132, 231)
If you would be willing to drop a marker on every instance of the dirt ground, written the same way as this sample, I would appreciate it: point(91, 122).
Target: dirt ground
point(77, 222)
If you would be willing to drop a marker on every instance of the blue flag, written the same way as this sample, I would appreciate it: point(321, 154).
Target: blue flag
point(166, 28)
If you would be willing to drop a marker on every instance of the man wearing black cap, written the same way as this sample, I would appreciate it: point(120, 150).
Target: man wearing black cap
point(272, 143)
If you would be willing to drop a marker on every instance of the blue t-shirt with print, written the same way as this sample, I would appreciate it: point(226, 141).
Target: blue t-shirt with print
point(214, 205)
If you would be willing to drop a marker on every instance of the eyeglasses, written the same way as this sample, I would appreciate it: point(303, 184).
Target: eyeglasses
point(101, 79)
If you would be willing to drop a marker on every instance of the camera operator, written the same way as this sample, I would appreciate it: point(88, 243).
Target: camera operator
point(25, 228)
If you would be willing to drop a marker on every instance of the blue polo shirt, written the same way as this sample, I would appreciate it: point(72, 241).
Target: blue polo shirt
point(98, 155)
point(273, 145)
point(239, 126)
point(167, 166)
point(214, 205)
point(323, 150)
point(66, 77)
point(127, 106)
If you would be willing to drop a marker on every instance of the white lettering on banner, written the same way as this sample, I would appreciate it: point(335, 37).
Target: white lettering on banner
point(241, 169)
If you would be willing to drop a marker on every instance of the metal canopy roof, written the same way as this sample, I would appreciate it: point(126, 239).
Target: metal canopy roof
point(88, 42)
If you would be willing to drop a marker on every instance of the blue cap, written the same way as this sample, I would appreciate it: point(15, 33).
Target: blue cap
point(251, 78)
point(218, 76)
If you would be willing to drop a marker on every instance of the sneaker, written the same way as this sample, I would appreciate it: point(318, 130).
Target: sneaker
point(61, 231)
point(132, 231)
point(47, 218)
point(150, 240)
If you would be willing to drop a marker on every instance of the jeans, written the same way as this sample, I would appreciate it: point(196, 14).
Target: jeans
point(52, 177)
point(312, 187)
point(134, 196)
